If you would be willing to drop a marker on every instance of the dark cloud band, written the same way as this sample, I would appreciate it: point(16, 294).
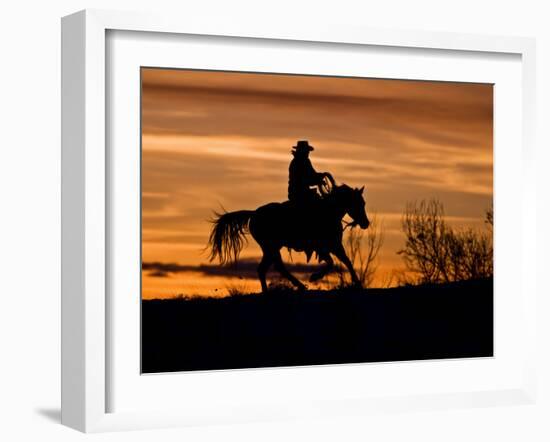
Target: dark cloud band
point(245, 268)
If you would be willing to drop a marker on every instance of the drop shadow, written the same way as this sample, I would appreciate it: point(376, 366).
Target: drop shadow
point(51, 414)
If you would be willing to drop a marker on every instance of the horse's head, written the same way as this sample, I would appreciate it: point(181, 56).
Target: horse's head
point(352, 201)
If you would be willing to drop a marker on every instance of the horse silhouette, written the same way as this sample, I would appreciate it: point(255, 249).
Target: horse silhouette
point(312, 227)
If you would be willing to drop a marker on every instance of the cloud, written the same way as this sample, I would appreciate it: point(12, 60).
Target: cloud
point(214, 139)
point(275, 86)
point(275, 106)
point(245, 268)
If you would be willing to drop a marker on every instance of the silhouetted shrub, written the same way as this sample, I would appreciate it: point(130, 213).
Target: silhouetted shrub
point(436, 252)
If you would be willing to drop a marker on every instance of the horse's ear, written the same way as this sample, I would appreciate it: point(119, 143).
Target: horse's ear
point(361, 190)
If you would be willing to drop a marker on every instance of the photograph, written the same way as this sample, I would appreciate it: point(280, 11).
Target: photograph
point(297, 220)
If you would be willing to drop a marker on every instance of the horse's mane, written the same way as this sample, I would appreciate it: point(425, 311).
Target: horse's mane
point(338, 190)
point(337, 195)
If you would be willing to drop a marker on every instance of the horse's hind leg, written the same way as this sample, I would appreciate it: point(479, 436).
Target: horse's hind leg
point(279, 265)
point(263, 267)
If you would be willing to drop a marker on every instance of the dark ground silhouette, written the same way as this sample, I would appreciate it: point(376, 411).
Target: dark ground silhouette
point(286, 328)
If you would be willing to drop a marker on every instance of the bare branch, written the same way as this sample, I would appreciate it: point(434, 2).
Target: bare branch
point(435, 252)
point(362, 250)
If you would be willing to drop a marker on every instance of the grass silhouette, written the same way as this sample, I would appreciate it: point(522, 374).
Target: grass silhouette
point(287, 328)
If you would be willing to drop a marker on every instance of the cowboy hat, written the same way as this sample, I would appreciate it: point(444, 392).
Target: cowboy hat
point(303, 146)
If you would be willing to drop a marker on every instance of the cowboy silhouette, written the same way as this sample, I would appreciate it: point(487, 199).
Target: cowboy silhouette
point(302, 176)
point(309, 222)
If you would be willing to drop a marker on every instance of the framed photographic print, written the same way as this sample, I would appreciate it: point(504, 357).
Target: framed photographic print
point(267, 223)
point(414, 261)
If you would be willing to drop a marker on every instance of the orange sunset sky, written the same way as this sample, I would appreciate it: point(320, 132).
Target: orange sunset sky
point(220, 139)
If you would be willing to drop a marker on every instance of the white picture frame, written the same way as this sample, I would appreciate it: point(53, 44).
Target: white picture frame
point(86, 204)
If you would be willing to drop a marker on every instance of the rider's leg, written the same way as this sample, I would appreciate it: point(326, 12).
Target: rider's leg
point(342, 256)
point(279, 265)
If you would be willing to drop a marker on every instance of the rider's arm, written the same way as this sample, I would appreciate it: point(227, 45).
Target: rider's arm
point(314, 177)
point(331, 178)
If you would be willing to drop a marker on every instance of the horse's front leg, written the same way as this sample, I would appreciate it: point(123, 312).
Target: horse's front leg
point(325, 270)
point(264, 265)
point(340, 253)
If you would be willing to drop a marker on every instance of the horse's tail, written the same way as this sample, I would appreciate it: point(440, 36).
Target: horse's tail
point(227, 237)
